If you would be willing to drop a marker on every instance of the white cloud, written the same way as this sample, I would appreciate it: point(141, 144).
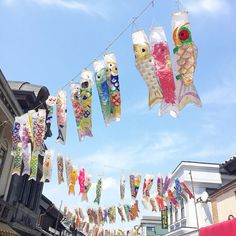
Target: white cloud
point(209, 6)
point(99, 9)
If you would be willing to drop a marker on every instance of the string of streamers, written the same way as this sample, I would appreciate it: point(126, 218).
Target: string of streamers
point(134, 19)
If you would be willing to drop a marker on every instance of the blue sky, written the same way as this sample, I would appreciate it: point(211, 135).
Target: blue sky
point(48, 42)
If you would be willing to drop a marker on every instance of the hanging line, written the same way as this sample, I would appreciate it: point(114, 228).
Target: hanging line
point(150, 4)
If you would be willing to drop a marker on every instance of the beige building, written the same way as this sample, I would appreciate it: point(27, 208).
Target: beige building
point(9, 108)
point(224, 202)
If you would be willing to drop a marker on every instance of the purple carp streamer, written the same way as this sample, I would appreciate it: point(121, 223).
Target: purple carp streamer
point(185, 58)
point(60, 168)
point(145, 64)
point(76, 103)
point(47, 166)
point(103, 89)
point(61, 116)
point(113, 81)
point(86, 84)
point(163, 68)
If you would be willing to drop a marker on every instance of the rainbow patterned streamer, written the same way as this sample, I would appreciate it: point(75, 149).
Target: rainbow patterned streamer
point(103, 89)
point(185, 59)
point(86, 84)
point(135, 182)
point(114, 85)
point(61, 116)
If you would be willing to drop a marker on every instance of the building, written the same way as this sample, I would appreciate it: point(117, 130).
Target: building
point(194, 213)
point(9, 108)
point(224, 198)
point(151, 226)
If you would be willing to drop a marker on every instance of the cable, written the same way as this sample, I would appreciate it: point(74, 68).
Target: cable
point(134, 19)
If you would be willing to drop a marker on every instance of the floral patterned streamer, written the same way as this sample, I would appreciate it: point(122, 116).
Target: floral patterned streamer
point(81, 179)
point(100, 216)
point(178, 189)
point(127, 209)
point(51, 102)
point(122, 188)
point(87, 185)
point(145, 65)
point(112, 215)
point(172, 198)
point(86, 83)
point(47, 166)
point(147, 185)
point(103, 89)
point(60, 168)
point(73, 180)
point(61, 116)
point(68, 168)
point(134, 184)
point(113, 81)
point(160, 202)
point(16, 151)
point(121, 213)
point(76, 103)
point(39, 130)
point(185, 58)
point(153, 204)
point(160, 185)
point(26, 144)
point(98, 191)
point(186, 189)
point(163, 69)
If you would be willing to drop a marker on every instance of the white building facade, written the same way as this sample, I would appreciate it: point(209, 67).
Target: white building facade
point(191, 216)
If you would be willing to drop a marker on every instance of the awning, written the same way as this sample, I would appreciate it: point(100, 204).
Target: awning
point(222, 229)
point(6, 230)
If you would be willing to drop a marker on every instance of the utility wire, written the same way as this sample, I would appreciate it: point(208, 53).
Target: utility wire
point(134, 19)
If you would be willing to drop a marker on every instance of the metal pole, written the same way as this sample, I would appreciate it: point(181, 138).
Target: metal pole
point(57, 218)
point(190, 173)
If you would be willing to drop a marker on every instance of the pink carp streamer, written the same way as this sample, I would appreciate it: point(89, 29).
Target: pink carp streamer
point(145, 64)
point(81, 180)
point(162, 62)
point(185, 58)
point(86, 84)
point(47, 166)
point(61, 116)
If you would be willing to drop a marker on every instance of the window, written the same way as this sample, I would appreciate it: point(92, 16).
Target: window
point(171, 215)
point(182, 208)
point(176, 214)
point(3, 153)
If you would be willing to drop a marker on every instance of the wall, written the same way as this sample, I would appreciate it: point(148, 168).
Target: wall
point(226, 205)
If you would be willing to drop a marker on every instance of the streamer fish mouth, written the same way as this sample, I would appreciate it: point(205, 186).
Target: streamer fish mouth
point(85, 84)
